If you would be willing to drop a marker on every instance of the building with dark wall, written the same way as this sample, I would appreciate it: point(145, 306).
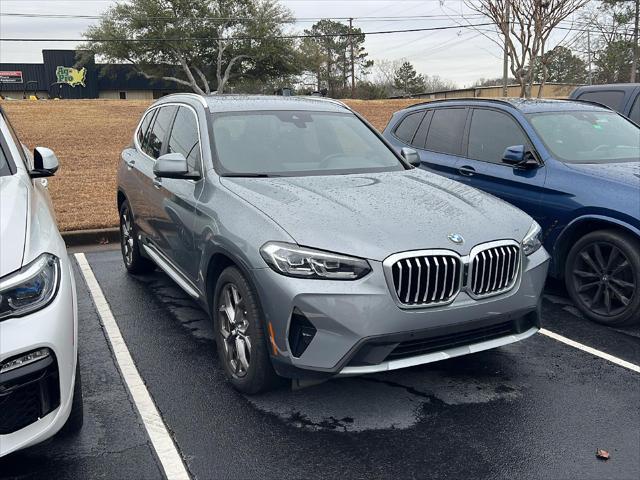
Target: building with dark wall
point(65, 74)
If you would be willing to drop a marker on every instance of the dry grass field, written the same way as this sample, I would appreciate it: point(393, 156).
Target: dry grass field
point(88, 136)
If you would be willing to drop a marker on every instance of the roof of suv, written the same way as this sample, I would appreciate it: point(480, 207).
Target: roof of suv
point(525, 105)
point(236, 103)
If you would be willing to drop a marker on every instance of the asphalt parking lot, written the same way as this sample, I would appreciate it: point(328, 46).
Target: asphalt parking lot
point(536, 409)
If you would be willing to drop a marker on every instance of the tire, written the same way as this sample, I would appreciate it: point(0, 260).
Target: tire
point(602, 275)
point(240, 338)
point(76, 417)
point(133, 260)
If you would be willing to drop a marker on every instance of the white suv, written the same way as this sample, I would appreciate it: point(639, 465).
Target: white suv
point(40, 390)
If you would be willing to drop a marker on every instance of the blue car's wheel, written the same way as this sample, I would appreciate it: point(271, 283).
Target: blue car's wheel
point(603, 277)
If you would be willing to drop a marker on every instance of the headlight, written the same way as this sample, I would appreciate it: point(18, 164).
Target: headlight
point(30, 288)
point(295, 261)
point(532, 240)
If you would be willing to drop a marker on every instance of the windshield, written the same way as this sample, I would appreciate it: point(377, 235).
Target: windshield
point(588, 137)
point(298, 143)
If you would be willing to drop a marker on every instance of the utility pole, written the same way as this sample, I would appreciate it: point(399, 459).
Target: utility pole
point(505, 60)
point(353, 67)
point(634, 62)
point(589, 55)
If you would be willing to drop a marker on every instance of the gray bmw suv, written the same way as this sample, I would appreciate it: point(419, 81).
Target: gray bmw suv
point(316, 249)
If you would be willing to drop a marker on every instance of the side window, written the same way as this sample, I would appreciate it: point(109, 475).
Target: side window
point(490, 133)
point(634, 114)
point(408, 126)
point(144, 126)
point(185, 138)
point(5, 168)
point(420, 138)
point(610, 98)
point(446, 130)
point(158, 131)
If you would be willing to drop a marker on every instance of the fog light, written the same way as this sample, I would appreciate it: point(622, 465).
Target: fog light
point(301, 332)
point(23, 360)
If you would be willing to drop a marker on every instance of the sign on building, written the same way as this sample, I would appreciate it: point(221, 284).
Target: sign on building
point(71, 76)
point(7, 76)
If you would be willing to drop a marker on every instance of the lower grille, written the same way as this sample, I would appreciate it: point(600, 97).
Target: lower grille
point(427, 279)
point(413, 348)
point(495, 270)
point(24, 399)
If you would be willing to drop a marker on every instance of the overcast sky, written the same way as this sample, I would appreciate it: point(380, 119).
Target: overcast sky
point(461, 54)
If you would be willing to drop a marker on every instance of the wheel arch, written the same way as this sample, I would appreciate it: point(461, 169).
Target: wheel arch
point(581, 226)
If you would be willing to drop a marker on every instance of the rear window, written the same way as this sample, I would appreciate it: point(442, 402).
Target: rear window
point(610, 98)
point(446, 130)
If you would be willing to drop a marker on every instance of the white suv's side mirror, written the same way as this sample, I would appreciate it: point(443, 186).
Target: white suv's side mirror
point(45, 163)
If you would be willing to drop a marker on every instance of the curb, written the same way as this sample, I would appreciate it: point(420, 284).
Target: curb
point(100, 236)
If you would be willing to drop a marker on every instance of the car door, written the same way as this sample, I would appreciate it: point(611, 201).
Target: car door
point(438, 140)
point(490, 133)
point(177, 197)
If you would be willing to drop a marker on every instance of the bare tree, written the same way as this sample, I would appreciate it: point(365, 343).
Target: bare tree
point(526, 31)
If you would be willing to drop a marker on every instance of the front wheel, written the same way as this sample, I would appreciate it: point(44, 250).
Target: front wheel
point(603, 277)
point(129, 244)
point(240, 339)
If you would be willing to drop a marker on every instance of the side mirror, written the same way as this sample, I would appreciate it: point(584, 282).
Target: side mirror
point(45, 163)
point(518, 157)
point(411, 156)
point(172, 165)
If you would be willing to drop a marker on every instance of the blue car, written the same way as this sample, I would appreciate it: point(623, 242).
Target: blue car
point(572, 166)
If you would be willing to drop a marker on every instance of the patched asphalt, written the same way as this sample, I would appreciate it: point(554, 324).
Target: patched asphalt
point(535, 409)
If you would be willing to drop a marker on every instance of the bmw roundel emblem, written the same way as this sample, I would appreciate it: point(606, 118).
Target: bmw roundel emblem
point(456, 238)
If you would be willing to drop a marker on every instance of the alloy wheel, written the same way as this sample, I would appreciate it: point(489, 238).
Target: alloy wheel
point(234, 327)
point(126, 241)
point(603, 278)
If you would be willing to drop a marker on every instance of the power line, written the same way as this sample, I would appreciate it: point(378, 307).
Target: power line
point(239, 38)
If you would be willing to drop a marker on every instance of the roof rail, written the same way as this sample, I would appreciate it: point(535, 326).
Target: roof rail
point(480, 99)
point(200, 98)
point(328, 100)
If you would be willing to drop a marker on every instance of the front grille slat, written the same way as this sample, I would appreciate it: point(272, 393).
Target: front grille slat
point(497, 268)
point(430, 279)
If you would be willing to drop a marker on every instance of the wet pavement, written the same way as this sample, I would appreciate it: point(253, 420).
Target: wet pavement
point(535, 409)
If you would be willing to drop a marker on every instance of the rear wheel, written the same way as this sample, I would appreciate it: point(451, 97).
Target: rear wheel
point(129, 244)
point(242, 346)
point(603, 277)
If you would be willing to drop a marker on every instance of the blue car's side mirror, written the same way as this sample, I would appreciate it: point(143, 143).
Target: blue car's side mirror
point(518, 157)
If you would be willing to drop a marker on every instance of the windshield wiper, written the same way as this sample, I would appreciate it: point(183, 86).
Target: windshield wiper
point(249, 175)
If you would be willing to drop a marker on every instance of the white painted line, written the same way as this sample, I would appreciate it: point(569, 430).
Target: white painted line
point(618, 361)
point(162, 442)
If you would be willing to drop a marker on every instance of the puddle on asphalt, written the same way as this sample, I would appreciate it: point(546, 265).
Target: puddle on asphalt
point(394, 400)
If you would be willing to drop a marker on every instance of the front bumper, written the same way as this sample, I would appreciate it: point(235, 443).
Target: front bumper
point(32, 387)
point(348, 316)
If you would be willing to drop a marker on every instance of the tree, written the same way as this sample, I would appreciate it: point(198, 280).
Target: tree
point(205, 39)
point(526, 32)
point(562, 67)
point(327, 55)
point(612, 63)
point(407, 80)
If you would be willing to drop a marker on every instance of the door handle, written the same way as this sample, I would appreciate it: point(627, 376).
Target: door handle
point(157, 183)
point(467, 171)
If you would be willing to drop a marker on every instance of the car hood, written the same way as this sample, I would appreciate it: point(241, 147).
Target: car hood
point(13, 223)
point(375, 215)
point(626, 172)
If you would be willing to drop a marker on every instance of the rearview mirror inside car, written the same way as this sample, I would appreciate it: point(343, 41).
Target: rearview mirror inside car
point(172, 165)
point(411, 156)
point(45, 163)
point(519, 157)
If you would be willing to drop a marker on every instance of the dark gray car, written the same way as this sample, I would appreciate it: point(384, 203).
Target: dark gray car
point(317, 250)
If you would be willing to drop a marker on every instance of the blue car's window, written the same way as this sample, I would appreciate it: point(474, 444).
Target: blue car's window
point(298, 143)
point(446, 130)
point(408, 126)
point(588, 136)
point(491, 133)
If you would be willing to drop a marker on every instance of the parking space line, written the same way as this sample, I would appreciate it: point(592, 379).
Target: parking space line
point(161, 440)
point(592, 351)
